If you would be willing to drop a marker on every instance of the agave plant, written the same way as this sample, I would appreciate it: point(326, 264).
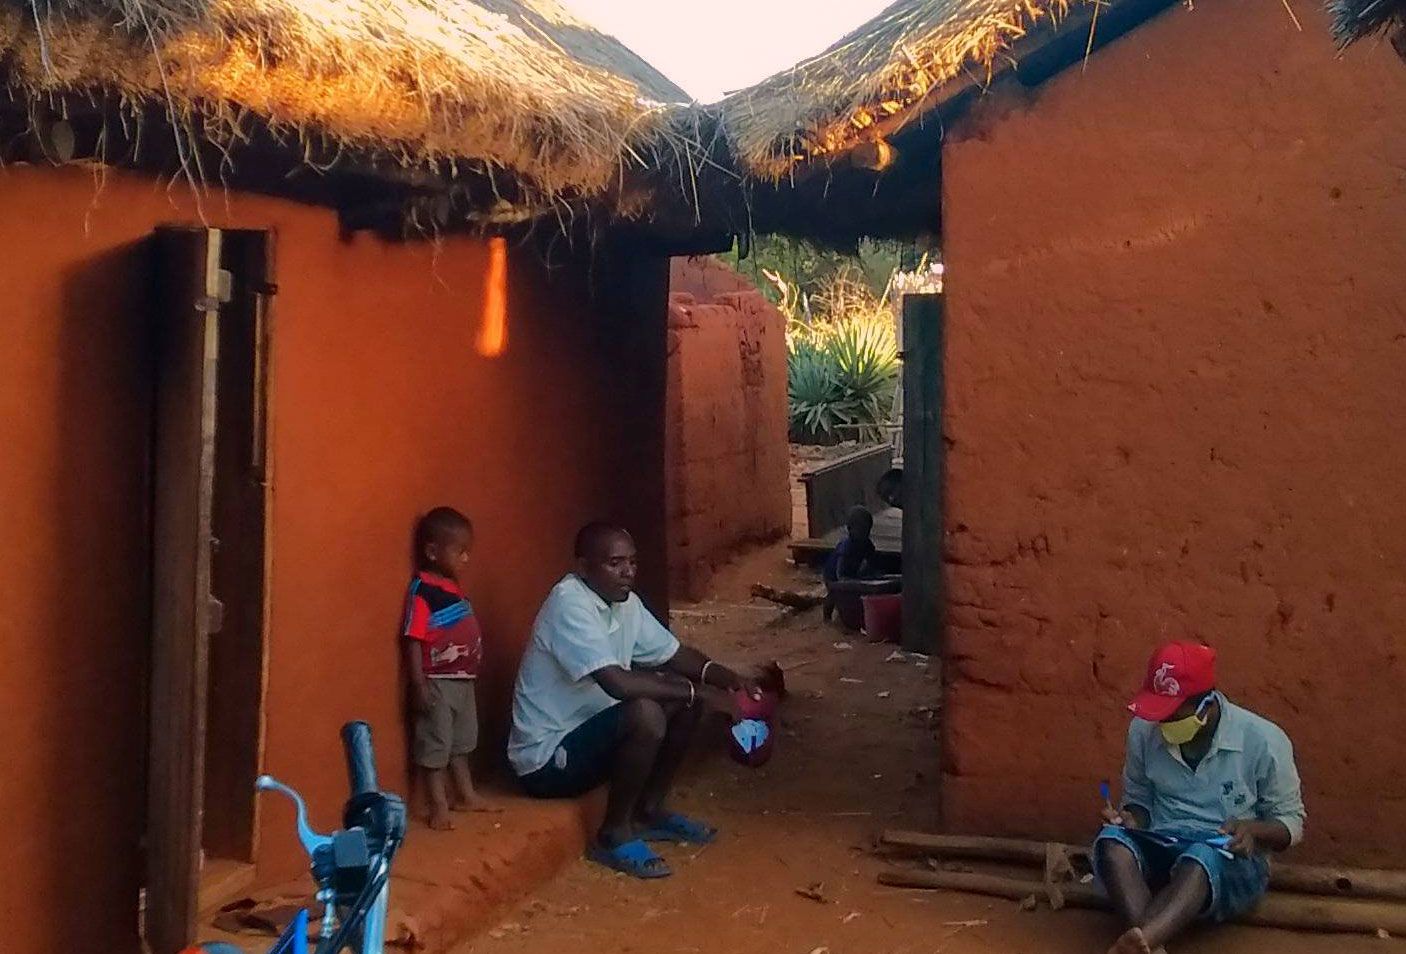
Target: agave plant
point(841, 377)
point(813, 391)
point(865, 358)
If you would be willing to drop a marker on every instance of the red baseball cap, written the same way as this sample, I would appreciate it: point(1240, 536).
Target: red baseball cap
point(1176, 672)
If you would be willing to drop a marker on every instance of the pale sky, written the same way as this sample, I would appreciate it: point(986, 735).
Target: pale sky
point(710, 47)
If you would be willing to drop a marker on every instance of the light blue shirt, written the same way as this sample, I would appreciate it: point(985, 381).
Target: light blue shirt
point(576, 633)
point(1248, 772)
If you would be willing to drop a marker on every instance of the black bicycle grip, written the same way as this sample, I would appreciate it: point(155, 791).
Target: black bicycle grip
point(361, 759)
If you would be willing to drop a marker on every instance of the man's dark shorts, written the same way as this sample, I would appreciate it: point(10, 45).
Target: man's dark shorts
point(1237, 884)
point(581, 762)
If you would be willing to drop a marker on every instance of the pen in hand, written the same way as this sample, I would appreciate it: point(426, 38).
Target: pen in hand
point(1110, 814)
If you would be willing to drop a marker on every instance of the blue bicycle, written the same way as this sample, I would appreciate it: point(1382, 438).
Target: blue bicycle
point(351, 867)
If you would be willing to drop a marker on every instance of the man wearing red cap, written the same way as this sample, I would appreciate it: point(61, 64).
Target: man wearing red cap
point(1209, 789)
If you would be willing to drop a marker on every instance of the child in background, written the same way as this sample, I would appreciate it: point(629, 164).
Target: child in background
point(852, 557)
point(443, 647)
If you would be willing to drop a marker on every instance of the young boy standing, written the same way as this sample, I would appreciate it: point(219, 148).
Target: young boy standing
point(443, 650)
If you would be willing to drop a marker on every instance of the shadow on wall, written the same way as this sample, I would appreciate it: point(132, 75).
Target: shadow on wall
point(92, 552)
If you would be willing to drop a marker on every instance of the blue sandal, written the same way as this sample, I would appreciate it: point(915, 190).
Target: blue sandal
point(680, 829)
point(633, 858)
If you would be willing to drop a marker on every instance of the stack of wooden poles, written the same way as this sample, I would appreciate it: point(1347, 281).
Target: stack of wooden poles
point(1301, 897)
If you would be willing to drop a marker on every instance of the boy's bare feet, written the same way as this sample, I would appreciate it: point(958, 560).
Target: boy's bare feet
point(437, 795)
point(1132, 942)
point(465, 798)
point(474, 803)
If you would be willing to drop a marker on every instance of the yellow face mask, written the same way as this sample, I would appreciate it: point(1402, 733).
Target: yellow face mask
point(1183, 731)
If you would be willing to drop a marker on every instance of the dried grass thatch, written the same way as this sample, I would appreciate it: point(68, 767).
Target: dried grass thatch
point(518, 85)
point(824, 105)
point(1354, 20)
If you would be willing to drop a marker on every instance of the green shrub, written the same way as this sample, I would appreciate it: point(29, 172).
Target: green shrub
point(866, 363)
point(841, 376)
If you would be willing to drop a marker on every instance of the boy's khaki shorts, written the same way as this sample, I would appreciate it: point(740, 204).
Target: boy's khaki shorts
point(450, 727)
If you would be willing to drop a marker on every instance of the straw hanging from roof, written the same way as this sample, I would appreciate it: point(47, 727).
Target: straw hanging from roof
point(519, 85)
point(1354, 20)
point(824, 105)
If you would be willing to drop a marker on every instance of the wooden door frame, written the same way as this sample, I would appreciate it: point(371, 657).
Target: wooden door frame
point(188, 277)
point(192, 281)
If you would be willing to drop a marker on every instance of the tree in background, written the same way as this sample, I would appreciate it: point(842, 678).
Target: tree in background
point(809, 267)
point(841, 332)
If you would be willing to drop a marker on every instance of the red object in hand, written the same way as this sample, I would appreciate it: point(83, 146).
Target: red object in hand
point(762, 708)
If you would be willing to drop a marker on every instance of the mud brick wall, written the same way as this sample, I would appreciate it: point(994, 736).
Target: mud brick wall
point(726, 454)
point(1177, 363)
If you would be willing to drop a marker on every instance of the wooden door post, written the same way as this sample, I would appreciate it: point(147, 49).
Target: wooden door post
point(189, 294)
point(924, 600)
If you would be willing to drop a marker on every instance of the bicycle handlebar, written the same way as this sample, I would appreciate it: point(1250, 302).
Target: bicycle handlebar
point(361, 758)
point(354, 881)
point(311, 840)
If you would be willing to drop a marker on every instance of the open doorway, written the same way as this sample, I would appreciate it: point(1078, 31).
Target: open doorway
point(209, 572)
point(234, 710)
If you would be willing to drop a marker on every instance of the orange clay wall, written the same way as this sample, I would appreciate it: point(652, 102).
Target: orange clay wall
point(380, 408)
point(1177, 359)
point(726, 453)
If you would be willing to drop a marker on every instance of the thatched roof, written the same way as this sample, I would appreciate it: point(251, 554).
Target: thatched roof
point(825, 105)
point(886, 70)
point(516, 85)
point(1356, 19)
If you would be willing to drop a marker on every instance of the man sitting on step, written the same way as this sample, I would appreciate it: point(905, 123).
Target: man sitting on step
point(606, 694)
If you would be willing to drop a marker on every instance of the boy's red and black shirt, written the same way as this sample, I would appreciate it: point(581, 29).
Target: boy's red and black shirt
point(442, 621)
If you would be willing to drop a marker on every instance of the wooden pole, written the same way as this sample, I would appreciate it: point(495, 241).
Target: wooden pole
point(1295, 912)
point(1304, 879)
point(791, 598)
point(1338, 882)
point(977, 847)
point(923, 489)
point(996, 886)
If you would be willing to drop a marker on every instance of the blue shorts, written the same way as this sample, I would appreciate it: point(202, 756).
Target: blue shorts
point(581, 762)
point(1237, 883)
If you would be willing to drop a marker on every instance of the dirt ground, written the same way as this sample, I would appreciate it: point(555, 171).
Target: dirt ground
point(856, 755)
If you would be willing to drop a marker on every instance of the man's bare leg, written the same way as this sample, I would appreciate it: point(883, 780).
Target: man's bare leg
point(1123, 879)
point(1175, 908)
point(643, 726)
point(683, 726)
point(1127, 889)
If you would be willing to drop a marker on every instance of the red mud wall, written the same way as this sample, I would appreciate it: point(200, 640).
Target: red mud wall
point(1177, 308)
point(726, 448)
point(380, 409)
